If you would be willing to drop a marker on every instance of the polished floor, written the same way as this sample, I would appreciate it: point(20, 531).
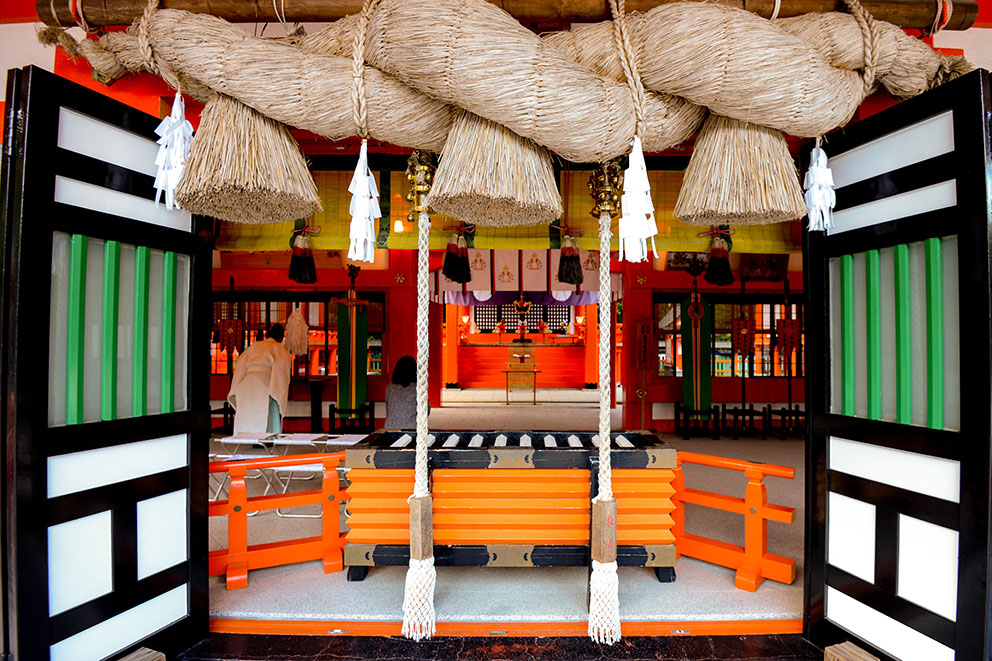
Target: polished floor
point(325, 648)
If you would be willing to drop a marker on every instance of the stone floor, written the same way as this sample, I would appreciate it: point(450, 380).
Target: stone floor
point(678, 648)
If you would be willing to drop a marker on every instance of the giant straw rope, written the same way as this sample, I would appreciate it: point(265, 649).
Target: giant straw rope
point(563, 91)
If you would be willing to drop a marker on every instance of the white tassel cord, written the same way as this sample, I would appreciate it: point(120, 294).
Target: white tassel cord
point(820, 196)
point(604, 603)
point(637, 222)
point(604, 586)
point(297, 340)
point(418, 600)
point(175, 136)
point(418, 597)
point(364, 210)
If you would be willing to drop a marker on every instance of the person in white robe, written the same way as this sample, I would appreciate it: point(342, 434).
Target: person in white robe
point(260, 387)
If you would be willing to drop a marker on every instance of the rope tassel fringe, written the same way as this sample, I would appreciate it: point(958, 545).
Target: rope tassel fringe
point(364, 210)
point(604, 603)
point(418, 600)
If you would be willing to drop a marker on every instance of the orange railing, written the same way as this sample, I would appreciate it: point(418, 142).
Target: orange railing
point(753, 562)
point(238, 558)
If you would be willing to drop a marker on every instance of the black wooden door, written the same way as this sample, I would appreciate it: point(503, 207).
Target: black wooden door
point(105, 343)
point(898, 383)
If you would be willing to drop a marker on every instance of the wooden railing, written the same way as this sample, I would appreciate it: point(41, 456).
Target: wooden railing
point(238, 558)
point(753, 562)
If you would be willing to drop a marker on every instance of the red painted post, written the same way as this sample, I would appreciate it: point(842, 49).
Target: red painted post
point(237, 529)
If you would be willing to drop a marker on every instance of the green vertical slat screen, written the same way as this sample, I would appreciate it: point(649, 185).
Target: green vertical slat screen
point(169, 332)
point(108, 367)
point(904, 349)
point(847, 333)
point(873, 300)
point(77, 330)
point(139, 380)
point(935, 335)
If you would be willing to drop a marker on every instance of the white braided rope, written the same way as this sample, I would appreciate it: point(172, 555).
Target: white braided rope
point(605, 301)
point(421, 485)
point(419, 618)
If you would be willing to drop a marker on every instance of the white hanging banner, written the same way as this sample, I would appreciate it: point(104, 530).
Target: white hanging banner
point(535, 273)
point(590, 269)
point(505, 264)
point(482, 269)
point(556, 284)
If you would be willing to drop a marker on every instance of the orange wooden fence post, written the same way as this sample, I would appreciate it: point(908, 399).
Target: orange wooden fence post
point(330, 519)
point(753, 562)
point(755, 532)
point(237, 529)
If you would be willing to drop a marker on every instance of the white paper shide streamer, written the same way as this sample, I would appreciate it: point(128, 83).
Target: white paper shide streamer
point(820, 196)
point(637, 223)
point(364, 210)
point(175, 136)
point(297, 341)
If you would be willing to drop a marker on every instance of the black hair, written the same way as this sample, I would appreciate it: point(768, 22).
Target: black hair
point(277, 332)
point(405, 371)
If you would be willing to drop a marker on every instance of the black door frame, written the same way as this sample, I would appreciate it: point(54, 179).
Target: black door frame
point(970, 635)
point(32, 159)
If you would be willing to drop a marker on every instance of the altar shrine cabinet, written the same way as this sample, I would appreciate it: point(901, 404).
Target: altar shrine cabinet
point(260, 387)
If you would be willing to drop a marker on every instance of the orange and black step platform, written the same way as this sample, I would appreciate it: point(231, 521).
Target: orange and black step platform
point(510, 499)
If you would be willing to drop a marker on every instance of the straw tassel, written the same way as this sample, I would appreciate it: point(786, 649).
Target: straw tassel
point(364, 209)
point(297, 340)
point(820, 196)
point(637, 222)
point(175, 136)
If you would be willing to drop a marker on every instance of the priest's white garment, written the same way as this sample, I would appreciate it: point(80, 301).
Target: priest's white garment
point(263, 371)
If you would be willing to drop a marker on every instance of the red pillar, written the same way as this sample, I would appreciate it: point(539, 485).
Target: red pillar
point(591, 324)
point(434, 376)
point(451, 325)
point(637, 309)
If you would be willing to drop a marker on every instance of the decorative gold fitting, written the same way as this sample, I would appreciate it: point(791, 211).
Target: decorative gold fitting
point(420, 176)
point(606, 186)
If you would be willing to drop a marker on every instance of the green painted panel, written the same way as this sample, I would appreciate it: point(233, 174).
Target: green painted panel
point(139, 372)
point(873, 318)
point(108, 367)
point(935, 335)
point(169, 332)
point(847, 333)
point(77, 330)
point(904, 347)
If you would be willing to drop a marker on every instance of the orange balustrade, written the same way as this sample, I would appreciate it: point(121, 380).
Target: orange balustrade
point(238, 558)
point(753, 562)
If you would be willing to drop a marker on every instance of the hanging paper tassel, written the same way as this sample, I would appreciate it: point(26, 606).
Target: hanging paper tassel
point(570, 264)
point(637, 223)
point(302, 268)
point(297, 340)
point(718, 268)
point(364, 210)
point(175, 135)
point(820, 196)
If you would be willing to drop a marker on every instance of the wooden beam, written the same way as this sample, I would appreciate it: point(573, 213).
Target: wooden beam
point(537, 14)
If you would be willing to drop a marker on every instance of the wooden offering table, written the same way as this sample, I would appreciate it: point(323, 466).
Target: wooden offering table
point(510, 499)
